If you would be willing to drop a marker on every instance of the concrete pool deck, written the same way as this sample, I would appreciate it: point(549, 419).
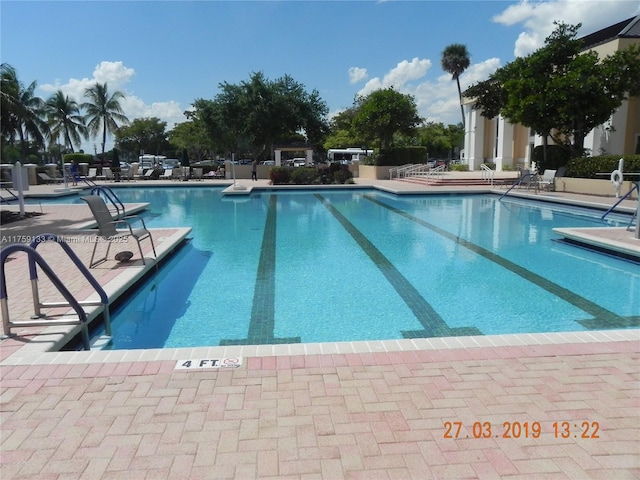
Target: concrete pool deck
point(345, 410)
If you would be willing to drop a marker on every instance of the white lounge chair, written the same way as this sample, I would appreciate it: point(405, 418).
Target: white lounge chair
point(548, 180)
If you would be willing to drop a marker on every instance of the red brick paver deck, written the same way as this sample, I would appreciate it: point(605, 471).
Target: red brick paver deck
point(378, 415)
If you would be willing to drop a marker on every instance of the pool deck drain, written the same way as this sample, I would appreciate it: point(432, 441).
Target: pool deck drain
point(384, 409)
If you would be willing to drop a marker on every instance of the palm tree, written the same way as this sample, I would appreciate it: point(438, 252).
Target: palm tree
point(65, 119)
point(103, 111)
point(455, 60)
point(22, 112)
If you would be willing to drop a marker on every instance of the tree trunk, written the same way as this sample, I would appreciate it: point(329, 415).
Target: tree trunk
point(460, 97)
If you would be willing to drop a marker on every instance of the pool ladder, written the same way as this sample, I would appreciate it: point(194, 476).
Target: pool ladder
point(37, 318)
point(110, 195)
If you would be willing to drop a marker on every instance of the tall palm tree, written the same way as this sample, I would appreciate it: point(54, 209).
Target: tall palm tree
point(455, 60)
point(22, 112)
point(103, 111)
point(65, 119)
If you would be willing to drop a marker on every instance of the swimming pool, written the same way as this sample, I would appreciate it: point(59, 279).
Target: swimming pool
point(348, 265)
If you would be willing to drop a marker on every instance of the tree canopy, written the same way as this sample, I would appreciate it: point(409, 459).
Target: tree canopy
point(384, 113)
point(455, 60)
point(260, 112)
point(148, 134)
point(558, 90)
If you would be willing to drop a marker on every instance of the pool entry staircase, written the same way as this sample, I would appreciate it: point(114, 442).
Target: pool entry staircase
point(39, 318)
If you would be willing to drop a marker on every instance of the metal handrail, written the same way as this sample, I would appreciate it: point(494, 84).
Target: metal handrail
point(435, 172)
point(518, 182)
point(399, 171)
point(487, 172)
point(624, 197)
point(35, 258)
point(112, 197)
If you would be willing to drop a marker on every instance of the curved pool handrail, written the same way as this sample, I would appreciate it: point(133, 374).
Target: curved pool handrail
point(517, 183)
point(111, 196)
point(35, 257)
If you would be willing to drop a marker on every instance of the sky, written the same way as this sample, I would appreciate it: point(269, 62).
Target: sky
point(163, 55)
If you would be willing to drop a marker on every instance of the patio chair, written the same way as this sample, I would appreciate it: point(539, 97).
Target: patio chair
point(47, 179)
point(197, 174)
point(167, 174)
point(147, 175)
point(527, 179)
point(108, 174)
point(547, 181)
point(107, 229)
point(93, 172)
point(176, 173)
point(131, 173)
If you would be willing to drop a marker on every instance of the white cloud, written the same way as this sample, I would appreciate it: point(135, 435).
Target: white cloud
point(403, 73)
point(357, 74)
point(437, 100)
point(537, 18)
point(117, 76)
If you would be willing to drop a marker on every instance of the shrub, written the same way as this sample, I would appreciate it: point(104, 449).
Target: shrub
point(588, 167)
point(397, 156)
point(458, 167)
point(343, 175)
point(304, 176)
point(557, 156)
point(280, 175)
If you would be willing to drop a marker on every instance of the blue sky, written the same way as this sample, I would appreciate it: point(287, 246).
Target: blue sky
point(166, 54)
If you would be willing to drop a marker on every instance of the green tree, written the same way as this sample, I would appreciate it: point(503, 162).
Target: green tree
point(455, 60)
point(22, 112)
point(65, 119)
point(441, 141)
point(382, 114)
point(341, 131)
point(103, 111)
point(208, 116)
point(560, 91)
point(264, 112)
point(191, 135)
point(147, 134)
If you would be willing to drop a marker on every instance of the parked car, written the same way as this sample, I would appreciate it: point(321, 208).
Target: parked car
point(299, 162)
point(269, 162)
point(206, 163)
point(170, 163)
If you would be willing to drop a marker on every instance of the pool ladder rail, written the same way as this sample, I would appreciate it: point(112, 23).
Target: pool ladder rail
point(38, 318)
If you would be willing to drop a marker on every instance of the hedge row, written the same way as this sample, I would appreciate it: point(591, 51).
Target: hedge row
point(324, 175)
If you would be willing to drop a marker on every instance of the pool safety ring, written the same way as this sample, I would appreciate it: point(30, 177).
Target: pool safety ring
point(616, 178)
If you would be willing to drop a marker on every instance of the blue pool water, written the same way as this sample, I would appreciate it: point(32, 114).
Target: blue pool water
point(320, 266)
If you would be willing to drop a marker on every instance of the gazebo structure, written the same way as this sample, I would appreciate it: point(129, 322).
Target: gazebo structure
point(293, 147)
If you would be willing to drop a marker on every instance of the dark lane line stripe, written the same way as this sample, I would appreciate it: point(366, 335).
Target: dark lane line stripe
point(434, 325)
point(262, 322)
point(603, 316)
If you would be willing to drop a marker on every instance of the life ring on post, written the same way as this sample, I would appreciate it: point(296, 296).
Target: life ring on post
point(616, 178)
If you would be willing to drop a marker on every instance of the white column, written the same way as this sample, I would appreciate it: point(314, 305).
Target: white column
point(278, 157)
point(474, 139)
point(505, 144)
